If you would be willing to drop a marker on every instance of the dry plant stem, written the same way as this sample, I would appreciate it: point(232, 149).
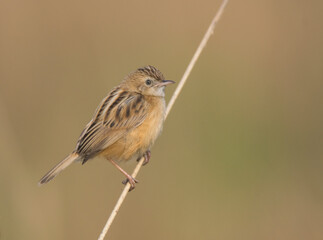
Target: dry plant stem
point(120, 201)
point(197, 53)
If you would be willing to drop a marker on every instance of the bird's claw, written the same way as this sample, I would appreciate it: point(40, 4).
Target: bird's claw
point(132, 182)
point(147, 156)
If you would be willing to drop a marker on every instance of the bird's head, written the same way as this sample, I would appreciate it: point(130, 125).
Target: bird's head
point(147, 81)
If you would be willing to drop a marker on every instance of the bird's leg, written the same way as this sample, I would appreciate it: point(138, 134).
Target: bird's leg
point(129, 179)
point(147, 156)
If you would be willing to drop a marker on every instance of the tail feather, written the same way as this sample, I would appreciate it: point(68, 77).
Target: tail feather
point(58, 168)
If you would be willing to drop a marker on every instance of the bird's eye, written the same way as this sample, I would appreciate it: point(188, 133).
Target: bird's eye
point(148, 82)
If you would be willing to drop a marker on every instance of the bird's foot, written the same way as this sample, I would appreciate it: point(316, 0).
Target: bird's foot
point(132, 182)
point(147, 156)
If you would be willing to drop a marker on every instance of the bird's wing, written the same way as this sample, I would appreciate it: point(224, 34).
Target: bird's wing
point(118, 113)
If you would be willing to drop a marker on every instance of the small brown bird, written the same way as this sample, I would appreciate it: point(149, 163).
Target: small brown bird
point(125, 125)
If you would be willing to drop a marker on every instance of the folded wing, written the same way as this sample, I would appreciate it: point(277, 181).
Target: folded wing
point(118, 113)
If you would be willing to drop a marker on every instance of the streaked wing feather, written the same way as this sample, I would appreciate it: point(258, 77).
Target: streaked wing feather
point(118, 113)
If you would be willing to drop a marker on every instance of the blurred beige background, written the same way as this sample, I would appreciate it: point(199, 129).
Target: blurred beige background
point(241, 153)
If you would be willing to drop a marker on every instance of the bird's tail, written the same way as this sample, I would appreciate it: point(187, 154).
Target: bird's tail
point(59, 167)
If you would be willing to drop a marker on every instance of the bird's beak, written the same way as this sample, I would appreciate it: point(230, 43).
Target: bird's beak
point(165, 82)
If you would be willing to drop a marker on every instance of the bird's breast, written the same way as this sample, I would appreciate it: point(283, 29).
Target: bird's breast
point(142, 138)
point(138, 140)
point(152, 126)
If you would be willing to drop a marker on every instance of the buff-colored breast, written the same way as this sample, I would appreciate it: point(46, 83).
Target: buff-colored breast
point(137, 141)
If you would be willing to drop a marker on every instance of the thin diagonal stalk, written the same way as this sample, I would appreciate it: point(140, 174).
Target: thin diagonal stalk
point(189, 68)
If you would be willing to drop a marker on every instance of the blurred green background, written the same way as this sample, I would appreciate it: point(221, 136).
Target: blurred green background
point(241, 153)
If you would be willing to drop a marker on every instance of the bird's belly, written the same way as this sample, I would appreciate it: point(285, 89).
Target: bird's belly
point(137, 141)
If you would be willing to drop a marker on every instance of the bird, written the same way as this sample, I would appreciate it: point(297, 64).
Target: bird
point(124, 126)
